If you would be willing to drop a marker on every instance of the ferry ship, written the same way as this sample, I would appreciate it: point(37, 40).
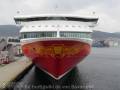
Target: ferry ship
point(56, 43)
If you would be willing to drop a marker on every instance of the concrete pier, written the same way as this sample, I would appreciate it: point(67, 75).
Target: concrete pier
point(11, 71)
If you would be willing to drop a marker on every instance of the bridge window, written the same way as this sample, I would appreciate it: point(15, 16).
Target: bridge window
point(19, 20)
point(76, 34)
point(55, 18)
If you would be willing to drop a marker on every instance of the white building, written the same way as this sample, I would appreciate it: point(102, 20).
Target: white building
point(113, 42)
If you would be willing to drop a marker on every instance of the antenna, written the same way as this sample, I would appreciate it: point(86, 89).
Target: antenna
point(18, 12)
point(94, 12)
point(56, 6)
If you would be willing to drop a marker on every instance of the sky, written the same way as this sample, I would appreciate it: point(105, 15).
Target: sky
point(108, 11)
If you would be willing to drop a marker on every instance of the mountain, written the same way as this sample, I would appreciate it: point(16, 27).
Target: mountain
point(9, 30)
point(103, 35)
point(12, 30)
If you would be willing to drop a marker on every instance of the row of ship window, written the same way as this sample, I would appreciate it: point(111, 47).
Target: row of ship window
point(58, 26)
point(54, 34)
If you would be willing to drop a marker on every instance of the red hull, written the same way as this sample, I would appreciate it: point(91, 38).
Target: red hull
point(58, 56)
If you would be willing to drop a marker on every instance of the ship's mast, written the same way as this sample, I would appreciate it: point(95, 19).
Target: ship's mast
point(56, 7)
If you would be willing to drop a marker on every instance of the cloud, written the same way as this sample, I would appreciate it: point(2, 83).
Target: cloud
point(108, 19)
point(107, 10)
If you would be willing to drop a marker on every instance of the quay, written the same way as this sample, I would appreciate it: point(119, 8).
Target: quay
point(10, 72)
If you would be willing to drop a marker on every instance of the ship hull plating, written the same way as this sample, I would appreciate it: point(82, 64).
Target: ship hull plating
point(56, 57)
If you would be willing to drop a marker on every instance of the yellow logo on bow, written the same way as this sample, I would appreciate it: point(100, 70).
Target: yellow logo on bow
point(58, 50)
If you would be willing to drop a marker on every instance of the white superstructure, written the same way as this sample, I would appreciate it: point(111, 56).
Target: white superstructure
point(56, 26)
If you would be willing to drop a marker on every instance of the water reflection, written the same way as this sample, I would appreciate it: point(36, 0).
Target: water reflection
point(72, 81)
point(38, 80)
